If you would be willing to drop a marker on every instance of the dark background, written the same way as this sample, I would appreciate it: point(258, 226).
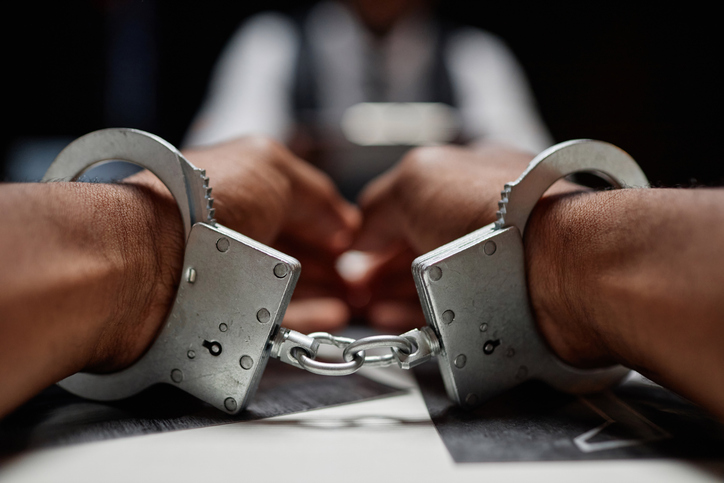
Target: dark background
point(643, 76)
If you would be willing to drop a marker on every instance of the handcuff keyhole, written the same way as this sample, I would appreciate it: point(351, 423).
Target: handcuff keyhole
point(213, 346)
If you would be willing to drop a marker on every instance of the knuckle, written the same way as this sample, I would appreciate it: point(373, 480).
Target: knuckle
point(424, 158)
point(263, 147)
point(262, 142)
point(326, 187)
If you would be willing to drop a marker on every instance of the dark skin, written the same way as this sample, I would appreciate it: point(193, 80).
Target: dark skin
point(409, 211)
point(631, 276)
point(89, 272)
point(627, 276)
point(318, 225)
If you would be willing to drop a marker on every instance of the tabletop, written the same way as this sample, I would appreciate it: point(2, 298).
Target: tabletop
point(379, 424)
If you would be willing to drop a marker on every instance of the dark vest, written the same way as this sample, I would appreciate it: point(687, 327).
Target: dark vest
point(320, 149)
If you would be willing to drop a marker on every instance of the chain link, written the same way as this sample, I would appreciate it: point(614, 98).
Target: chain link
point(407, 350)
point(311, 364)
point(377, 342)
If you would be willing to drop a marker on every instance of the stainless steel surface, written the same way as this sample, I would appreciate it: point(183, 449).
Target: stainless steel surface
point(216, 341)
point(329, 368)
point(578, 156)
point(474, 295)
point(246, 362)
point(187, 183)
point(378, 342)
point(285, 340)
point(426, 346)
point(213, 344)
point(230, 286)
point(407, 350)
point(190, 275)
point(222, 244)
point(281, 270)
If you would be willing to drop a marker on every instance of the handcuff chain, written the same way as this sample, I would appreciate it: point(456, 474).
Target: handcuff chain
point(406, 350)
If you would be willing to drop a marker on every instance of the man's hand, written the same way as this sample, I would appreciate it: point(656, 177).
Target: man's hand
point(630, 276)
point(89, 272)
point(265, 192)
point(433, 196)
point(262, 190)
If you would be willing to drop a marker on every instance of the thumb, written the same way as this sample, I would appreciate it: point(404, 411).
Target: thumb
point(383, 223)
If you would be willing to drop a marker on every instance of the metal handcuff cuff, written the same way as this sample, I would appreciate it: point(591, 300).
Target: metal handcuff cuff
point(226, 320)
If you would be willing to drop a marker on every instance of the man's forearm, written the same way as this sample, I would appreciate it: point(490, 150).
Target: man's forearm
point(634, 276)
point(87, 274)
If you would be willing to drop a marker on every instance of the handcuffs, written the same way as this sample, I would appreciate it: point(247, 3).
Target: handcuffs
point(225, 322)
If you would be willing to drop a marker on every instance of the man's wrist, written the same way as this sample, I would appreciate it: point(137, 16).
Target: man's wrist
point(558, 285)
point(147, 240)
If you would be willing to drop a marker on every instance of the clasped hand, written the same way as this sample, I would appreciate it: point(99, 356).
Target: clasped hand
point(628, 276)
point(431, 197)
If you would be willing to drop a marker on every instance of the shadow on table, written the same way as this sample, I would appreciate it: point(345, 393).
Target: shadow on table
point(56, 417)
point(533, 422)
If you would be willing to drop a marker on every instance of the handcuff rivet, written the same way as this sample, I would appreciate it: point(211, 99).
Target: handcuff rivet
point(483, 327)
point(435, 273)
point(191, 275)
point(471, 399)
point(191, 354)
point(263, 316)
point(222, 244)
point(177, 376)
point(281, 270)
point(223, 327)
point(448, 316)
point(246, 362)
point(230, 404)
point(460, 361)
point(490, 247)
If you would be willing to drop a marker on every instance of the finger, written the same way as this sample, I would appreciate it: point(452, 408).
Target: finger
point(396, 286)
point(382, 220)
point(436, 196)
point(492, 154)
point(250, 195)
point(318, 214)
point(388, 281)
point(396, 316)
point(312, 259)
point(415, 201)
point(261, 188)
point(389, 277)
point(319, 273)
point(321, 286)
point(317, 314)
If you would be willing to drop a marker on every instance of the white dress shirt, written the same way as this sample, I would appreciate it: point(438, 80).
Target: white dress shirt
point(251, 87)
